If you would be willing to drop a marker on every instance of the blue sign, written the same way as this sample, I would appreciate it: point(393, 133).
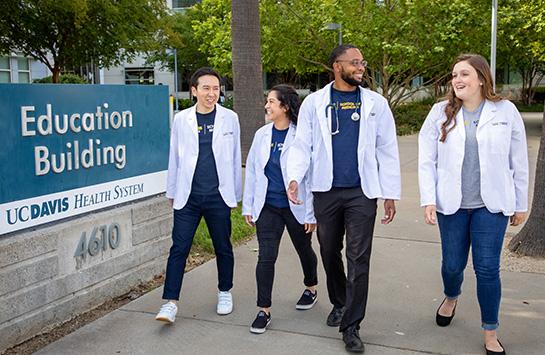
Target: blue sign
point(105, 144)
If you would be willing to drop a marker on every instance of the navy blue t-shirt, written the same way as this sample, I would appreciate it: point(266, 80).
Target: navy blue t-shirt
point(205, 179)
point(276, 191)
point(345, 143)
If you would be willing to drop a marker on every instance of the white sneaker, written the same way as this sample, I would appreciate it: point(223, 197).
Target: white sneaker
point(225, 303)
point(167, 313)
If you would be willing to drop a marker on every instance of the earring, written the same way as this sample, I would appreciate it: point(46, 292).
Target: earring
point(481, 84)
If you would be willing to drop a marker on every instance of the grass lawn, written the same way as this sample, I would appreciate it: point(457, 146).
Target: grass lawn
point(241, 232)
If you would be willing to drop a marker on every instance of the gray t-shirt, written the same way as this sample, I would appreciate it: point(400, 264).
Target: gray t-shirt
point(471, 170)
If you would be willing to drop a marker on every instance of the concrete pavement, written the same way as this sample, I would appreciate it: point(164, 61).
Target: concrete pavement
point(405, 291)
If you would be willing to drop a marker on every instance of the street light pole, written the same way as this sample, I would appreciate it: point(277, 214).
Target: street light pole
point(170, 51)
point(176, 75)
point(493, 44)
point(330, 26)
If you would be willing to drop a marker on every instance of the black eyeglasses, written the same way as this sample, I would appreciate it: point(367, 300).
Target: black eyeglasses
point(355, 62)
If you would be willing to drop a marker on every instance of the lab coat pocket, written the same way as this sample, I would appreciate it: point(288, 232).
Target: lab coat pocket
point(441, 186)
point(500, 138)
point(510, 195)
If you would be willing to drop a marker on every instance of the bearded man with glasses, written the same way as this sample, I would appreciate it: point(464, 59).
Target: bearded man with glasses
point(347, 138)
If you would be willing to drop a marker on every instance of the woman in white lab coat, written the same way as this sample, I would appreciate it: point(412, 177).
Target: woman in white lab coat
point(265, 204)
point(473, 177)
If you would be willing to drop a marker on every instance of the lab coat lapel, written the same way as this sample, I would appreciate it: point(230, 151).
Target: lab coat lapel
point(460, 125)
point(265, 147)
point(218, 126)
point(322, 100)
point(289, 138)
point(368, 105)
point(193, 124)
point(489, 112)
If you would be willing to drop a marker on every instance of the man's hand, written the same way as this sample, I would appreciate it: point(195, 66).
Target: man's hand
point(171, 202)
point(249, 221)
point(430, 215)
point(389, 211)
point(310, 227)
point(293, 191)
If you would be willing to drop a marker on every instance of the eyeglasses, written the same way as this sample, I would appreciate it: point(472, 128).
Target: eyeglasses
point(354, 62)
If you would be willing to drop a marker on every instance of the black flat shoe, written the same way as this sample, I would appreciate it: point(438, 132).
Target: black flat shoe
point(335, 316)
point(490, 352)
point(352, 341)
point(443, 321)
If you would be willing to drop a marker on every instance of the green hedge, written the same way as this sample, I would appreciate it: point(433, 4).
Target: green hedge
point(63, 79)
point(410, 117)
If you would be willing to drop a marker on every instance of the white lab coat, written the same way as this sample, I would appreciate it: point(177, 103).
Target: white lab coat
point(378, 156)
point(503, 160)
point(256, 182)
point(184, 151)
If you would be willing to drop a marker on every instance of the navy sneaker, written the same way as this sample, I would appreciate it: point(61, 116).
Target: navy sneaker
point(259, 326)
point(307, 300)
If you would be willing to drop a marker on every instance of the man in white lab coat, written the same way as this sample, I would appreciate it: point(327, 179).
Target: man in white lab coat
point(204, 180)
point(347, 138)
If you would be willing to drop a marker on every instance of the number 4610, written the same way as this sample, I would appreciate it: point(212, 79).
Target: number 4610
point(112, 237)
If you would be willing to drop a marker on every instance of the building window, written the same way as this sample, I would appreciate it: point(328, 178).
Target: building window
point(182, 5)
point(23, 69)
point(5, 70)
point(139, 76)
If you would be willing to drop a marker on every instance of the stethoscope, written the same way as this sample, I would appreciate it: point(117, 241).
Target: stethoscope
point(355, 115)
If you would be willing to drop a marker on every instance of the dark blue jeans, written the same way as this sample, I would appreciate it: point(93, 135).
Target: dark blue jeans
point(269, 228)
point(483, 232)
point(339, 210)
point(217, 216)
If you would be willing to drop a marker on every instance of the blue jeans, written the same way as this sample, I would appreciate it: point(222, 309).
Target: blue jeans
point(484, 232)
point(270, 227)
point(217, 216)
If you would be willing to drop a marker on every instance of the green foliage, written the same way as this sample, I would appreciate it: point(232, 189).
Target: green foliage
point(183, 104)
point(228, 103)
point(410, 117)
point(240, 232)
point(76, 32)
point(63, 79)
point(213, 32)
point(538, 107)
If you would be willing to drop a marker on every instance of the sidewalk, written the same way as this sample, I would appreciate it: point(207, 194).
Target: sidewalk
point(405, 291)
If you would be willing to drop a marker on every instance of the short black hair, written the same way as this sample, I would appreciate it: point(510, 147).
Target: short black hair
point(288, 98)
point(202, 72)
point(338, 51)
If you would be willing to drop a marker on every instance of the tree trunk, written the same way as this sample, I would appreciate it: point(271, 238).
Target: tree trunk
point(248, 100)
point(531, 239)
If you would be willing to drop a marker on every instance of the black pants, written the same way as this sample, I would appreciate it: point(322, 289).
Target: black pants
point(337, 211)
point(270, 227)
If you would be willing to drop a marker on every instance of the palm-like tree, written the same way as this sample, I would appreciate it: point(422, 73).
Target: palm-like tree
point(247, 76)
point(531, 238)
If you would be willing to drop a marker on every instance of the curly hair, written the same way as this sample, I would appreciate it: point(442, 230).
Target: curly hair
point(454, 104)
point(289, 99)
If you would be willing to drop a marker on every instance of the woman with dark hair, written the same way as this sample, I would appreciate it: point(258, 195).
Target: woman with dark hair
point(473, 177)
point(265, 204)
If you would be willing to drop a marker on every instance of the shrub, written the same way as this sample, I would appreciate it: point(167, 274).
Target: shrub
point(63, 79)
point(410, 117)
point(182, 104)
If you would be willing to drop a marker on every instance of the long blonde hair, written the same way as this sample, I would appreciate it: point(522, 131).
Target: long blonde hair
point(487, 90)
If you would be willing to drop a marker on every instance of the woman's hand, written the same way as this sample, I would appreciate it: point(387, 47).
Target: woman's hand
point(517, 218)
point(430, 214)
point(310, 227)
point(249, 221)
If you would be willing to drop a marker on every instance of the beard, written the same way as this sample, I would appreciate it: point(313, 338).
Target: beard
point(349, 80)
